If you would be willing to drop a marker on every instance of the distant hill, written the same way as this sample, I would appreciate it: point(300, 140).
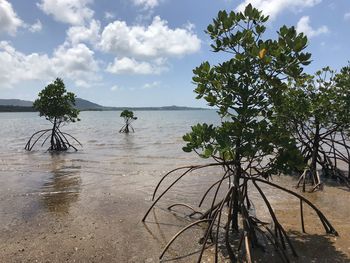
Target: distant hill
point(10, 108)
point(15, 102)
point(15, 105)
point(82, 104)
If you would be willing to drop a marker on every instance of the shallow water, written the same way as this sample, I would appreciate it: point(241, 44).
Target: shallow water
point(87, 206)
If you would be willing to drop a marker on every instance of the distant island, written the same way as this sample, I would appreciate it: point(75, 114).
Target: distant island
point(16, 105)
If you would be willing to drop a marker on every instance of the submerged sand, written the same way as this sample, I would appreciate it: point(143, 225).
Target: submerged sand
point(102, 222)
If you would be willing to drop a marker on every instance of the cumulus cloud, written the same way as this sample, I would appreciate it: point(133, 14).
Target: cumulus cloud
point(147, 4)
point(156, 40)
point(75, 63)
point(21, 67)
point(145, 49)
point(304, 27)
point(78, 34)
point(75, 12)
point(36, 27)
point(127, 65)
point(9, 21)
point(274, 7)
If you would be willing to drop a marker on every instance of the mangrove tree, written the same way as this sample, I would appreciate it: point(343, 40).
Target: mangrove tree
point(249, 145)
point(57, 106)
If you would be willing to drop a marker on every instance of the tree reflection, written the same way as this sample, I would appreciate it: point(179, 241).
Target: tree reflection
point(62, 187)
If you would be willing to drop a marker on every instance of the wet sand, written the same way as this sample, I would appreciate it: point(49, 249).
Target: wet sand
point(101, 222)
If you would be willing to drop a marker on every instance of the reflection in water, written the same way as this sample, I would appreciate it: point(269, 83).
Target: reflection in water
point(63, 187)
point(128, 142)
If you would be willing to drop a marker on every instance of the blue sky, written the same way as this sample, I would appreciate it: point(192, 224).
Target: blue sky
point(141, 52)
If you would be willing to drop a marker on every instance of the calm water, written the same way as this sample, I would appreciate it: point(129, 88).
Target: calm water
point(87, 205)
point(105, 156)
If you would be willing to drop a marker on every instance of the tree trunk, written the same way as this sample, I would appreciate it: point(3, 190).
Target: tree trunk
point(127, 127)
point(235, 197)
point(315, 148)
point(236, 177)
point(53, 135)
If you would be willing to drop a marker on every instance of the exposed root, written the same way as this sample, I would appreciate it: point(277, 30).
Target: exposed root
point(194, 211)
point(219, 218)
point(179, 233)
point(127, 128)
point(58, 140)
point(329, 151)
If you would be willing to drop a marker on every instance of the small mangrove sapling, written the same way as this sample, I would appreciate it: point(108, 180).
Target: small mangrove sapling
point(128, 119)
point(57, 106)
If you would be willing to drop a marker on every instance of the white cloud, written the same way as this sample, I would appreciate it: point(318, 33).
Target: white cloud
point(154, 84)
point(127, 65)
point(116, 88)
point(77, 34)
point(75, 63)
point(304, 27)
point(75, 60)
point(109, 15)
point(347, 16)
point(21, 67)
point(9, 21)
point(147, 4)
point(274, 7)
point(156, 40)
point(36, 27)
point(73, 12)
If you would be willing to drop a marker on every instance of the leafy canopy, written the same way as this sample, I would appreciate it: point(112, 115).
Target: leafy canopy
point(322, 100)
point(127, 114)
point(246, 89)
point(56, 104)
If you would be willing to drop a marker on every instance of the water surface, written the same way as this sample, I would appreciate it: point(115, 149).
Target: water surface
point(87, 206)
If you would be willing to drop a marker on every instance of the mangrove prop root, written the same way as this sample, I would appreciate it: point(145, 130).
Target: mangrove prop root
point(188, 169)
point(126, 128)
point(327, 225)
point(226, 175)
point(58, 140)
point(41, 134)
point(219, 217)
point(328, 150)
point(302, 216)
point(210, 227)
point(194, 211)
point(278, 227)
point(180, 232)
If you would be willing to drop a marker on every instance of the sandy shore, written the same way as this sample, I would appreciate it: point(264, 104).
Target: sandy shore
point(101, 222)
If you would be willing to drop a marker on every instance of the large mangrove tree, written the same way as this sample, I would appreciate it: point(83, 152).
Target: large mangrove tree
point(249, 145)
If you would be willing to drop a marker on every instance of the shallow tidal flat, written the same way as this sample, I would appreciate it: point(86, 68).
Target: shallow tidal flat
point(87, 206)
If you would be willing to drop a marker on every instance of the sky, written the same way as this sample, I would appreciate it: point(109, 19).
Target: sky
point(142, 52)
